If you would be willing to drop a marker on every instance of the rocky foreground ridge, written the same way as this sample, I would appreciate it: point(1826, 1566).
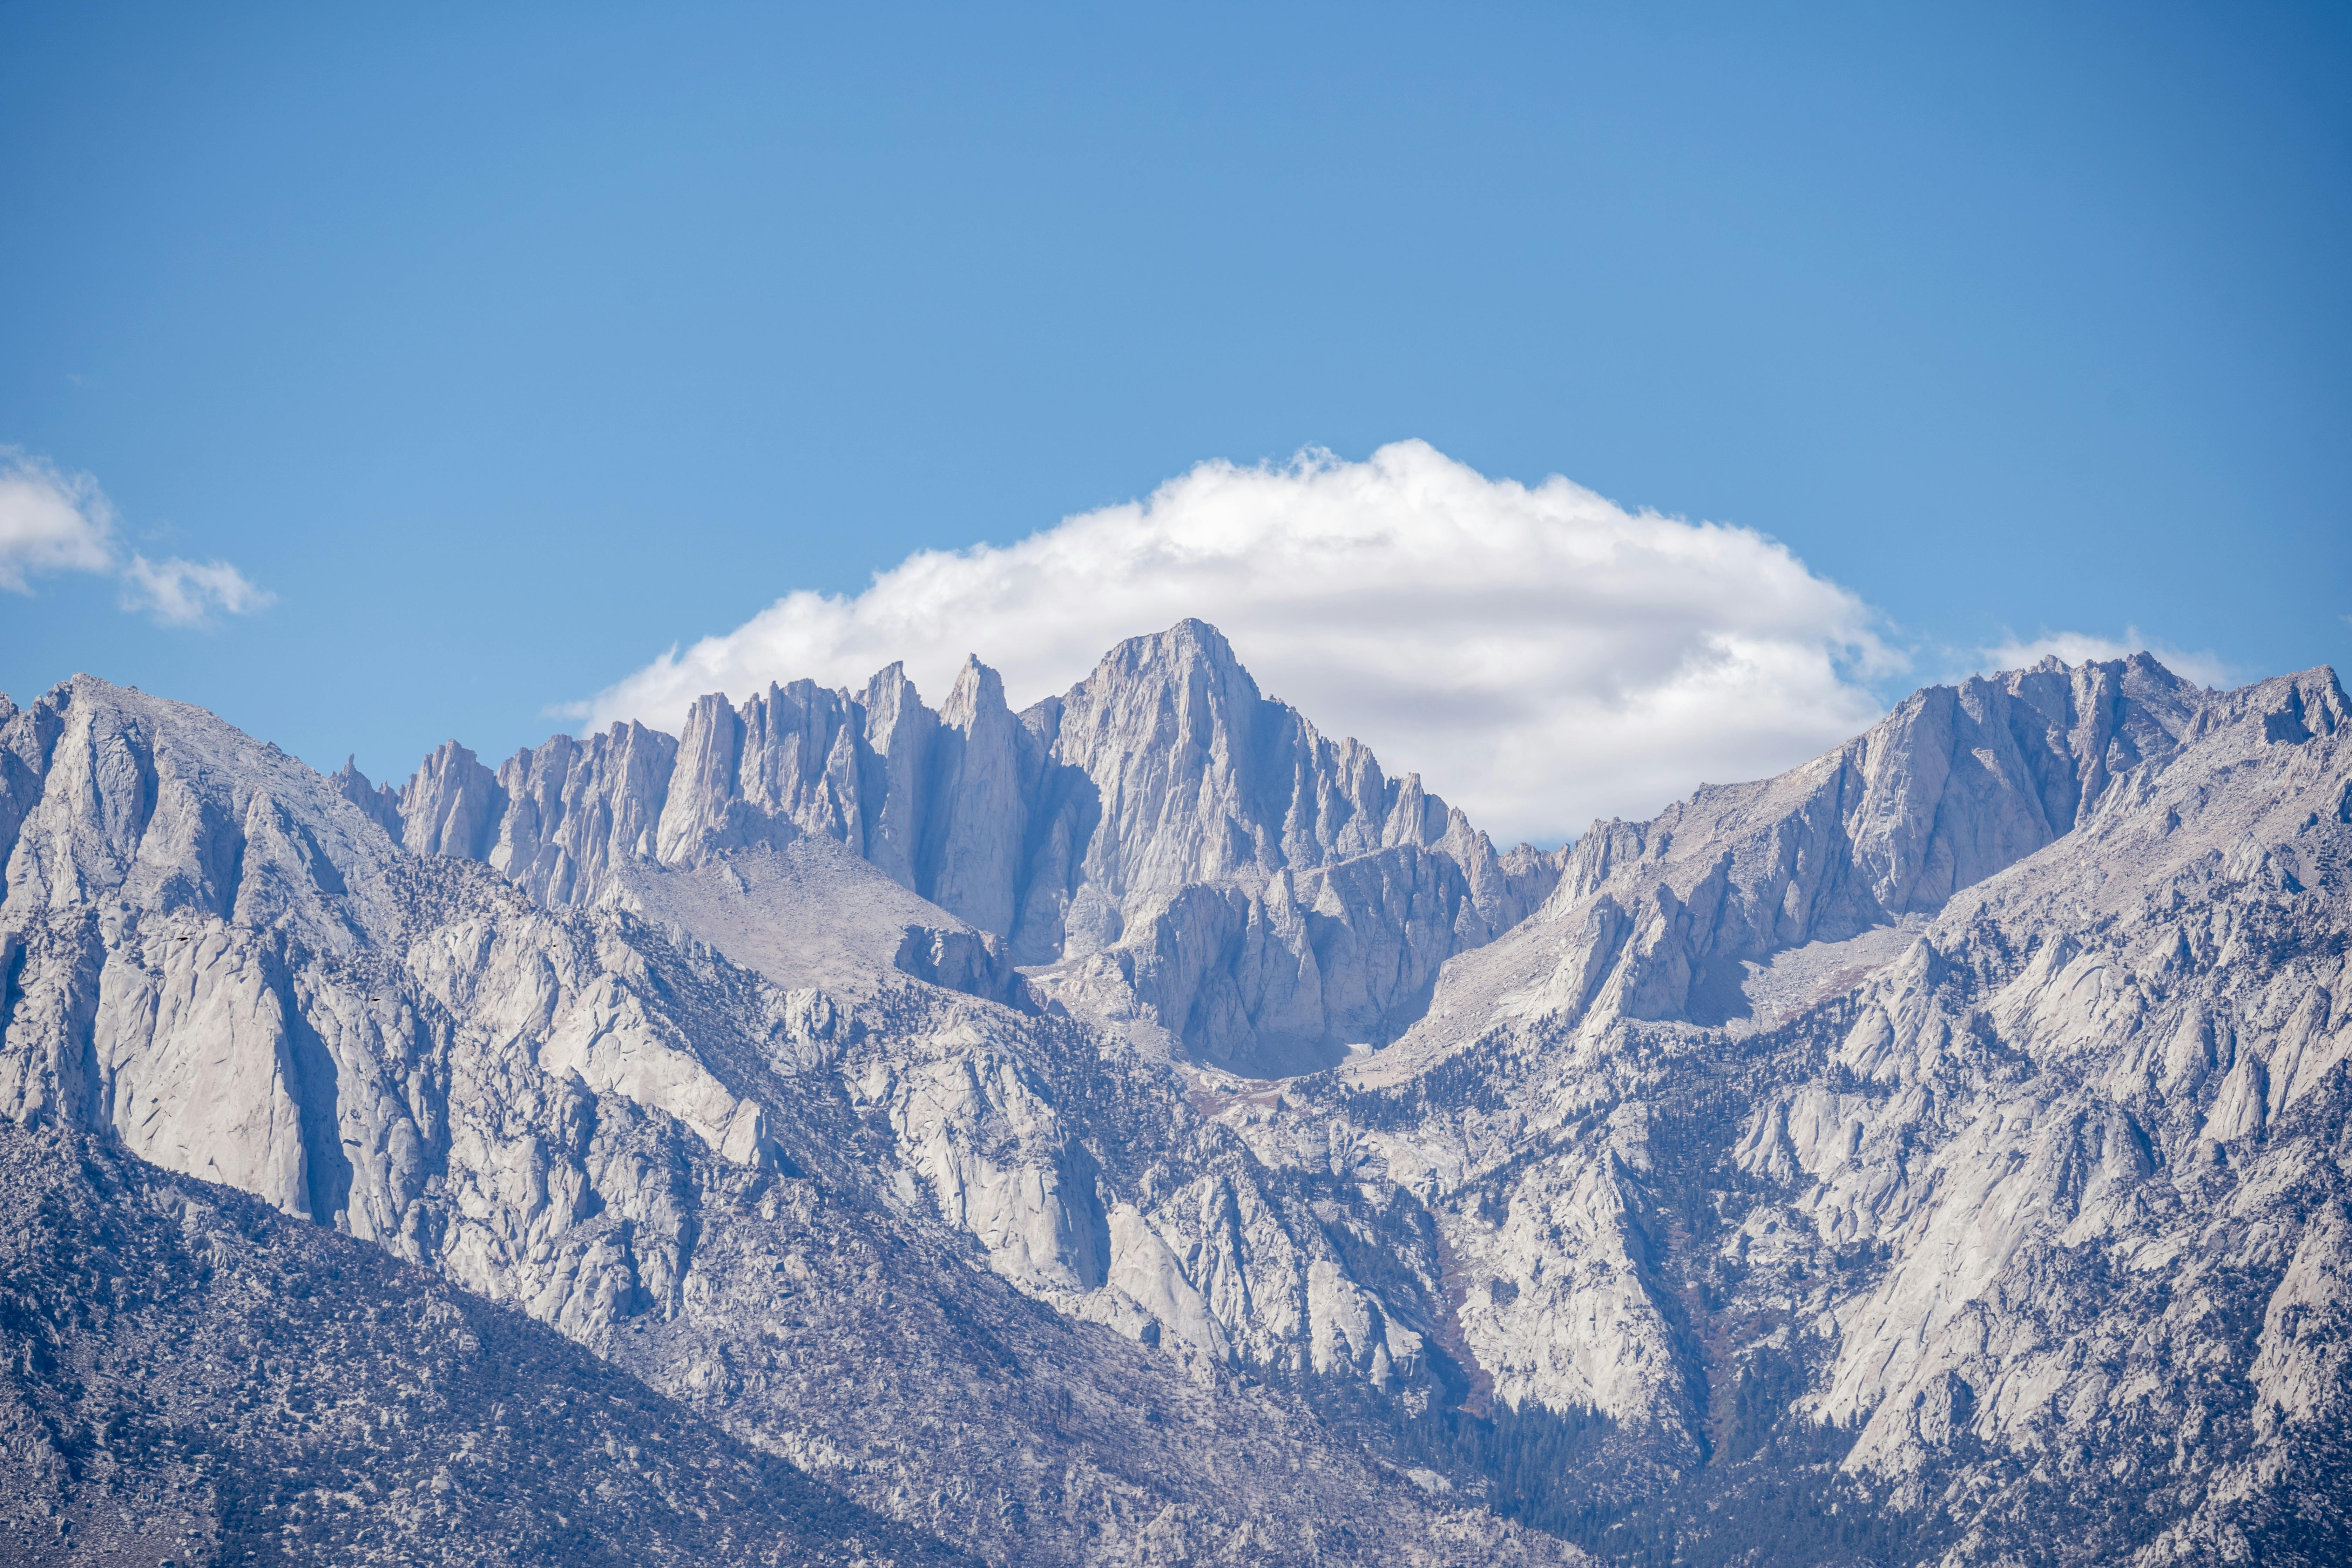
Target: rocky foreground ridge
point(1137, 1130)
point(205, 1380)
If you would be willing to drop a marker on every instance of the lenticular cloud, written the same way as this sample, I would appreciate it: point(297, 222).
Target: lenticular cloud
point(1540, 654)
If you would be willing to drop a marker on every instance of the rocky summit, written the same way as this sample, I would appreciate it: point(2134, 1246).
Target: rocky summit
point(1138, 1129)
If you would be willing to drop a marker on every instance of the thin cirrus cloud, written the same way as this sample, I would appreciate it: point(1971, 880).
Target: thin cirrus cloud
point(1542, 655)
point(53, 521)
point(178, 593)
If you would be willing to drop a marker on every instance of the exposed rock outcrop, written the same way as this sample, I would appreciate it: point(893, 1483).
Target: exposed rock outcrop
point(823, 1220)
point(1162, 814)
point(579, 810)
point(1934, 1154)
point(191, 1378)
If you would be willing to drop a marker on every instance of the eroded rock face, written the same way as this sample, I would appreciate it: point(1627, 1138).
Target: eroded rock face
point(1266, 895)
point(1953, 1131)
point(578, 811)
point(453, 806)
point(825, 1221)
point(191, 1378)
point(1954, 785)
point(1992, 1204)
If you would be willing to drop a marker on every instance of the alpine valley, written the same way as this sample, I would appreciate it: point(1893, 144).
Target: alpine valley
point(1139, 1130)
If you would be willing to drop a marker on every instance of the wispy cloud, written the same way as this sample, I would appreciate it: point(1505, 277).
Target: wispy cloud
point(178, 593)
point(1541, 655)
point(2205, 666)
point(51, 520)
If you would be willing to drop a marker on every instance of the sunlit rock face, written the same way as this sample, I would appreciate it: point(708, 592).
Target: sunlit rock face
point(1978, 1092)
point(1137, 1129)
point(817, 1200)
point(1162, 843)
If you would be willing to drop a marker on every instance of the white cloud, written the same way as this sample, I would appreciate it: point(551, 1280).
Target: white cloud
point(1542, 655)
point(2205, 668)
point(178, 593)
point(50, 521)
point(55, 521)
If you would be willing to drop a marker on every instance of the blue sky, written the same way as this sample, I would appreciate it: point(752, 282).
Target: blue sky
point(508, 350)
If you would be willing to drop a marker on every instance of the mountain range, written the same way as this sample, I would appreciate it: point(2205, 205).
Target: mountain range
point(1139, 1130)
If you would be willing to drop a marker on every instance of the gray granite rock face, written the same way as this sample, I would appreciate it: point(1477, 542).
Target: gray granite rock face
point(577, 810)
point(1934, 1154)
point(195, 1379)
point(1173, 770)
point(453, 806)
point(380, 802)
point(1266, 895)
point(975, 805)
point(2027, 1100)
point(834, 1223)
point(893, 772)
point(1954, 785)
point(1113, 821)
